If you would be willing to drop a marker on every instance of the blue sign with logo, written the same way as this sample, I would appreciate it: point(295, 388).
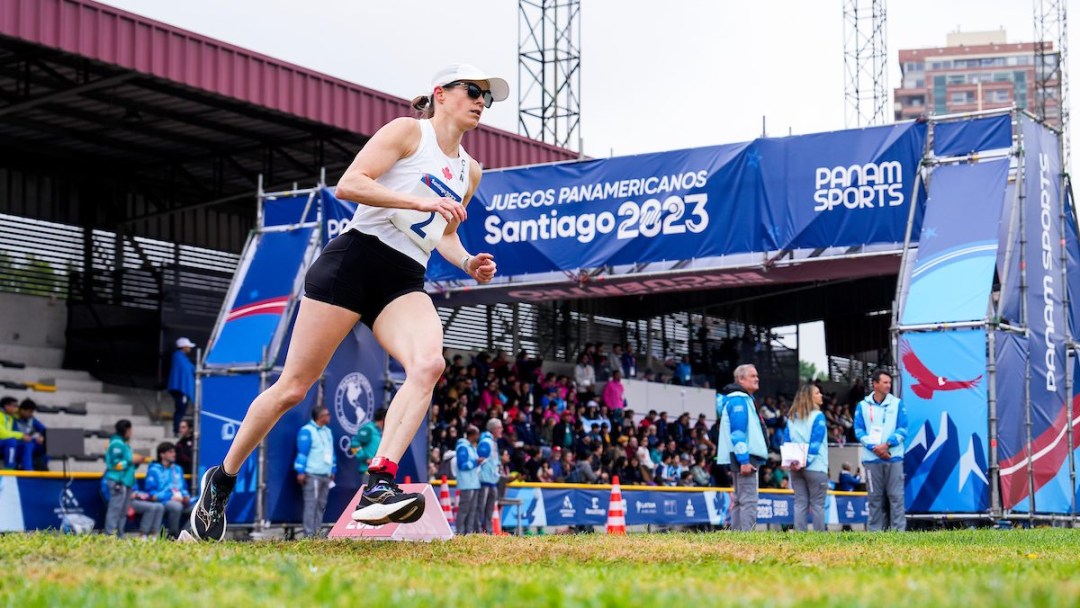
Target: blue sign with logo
point(837, 189)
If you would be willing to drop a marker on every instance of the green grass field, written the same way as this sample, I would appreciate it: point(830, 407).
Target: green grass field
point(973, 569)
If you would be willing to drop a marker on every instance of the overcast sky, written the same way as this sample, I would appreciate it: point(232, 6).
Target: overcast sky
point(655, 76)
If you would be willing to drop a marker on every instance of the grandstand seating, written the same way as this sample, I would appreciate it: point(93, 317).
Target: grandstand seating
point(79, 402)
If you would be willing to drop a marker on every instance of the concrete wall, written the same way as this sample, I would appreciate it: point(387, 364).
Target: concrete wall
point(32, 330)
point(32, 320)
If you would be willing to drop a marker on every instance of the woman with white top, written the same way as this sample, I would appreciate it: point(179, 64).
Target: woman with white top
point(412, 181)
point(809, 481)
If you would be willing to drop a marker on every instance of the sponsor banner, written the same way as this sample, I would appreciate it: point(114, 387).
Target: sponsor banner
point(336, 214)
point(958, 245)
point(1012, 356)
point(944, 391)
point(30, 503)
point(548, 506)
point(225, 400)
point(841, 189)
point(1045, 317)
point(38, 506)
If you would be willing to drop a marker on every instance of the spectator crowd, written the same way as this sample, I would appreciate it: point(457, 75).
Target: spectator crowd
point(579, 428)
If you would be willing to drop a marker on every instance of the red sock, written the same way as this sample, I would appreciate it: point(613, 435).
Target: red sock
point(381, 464)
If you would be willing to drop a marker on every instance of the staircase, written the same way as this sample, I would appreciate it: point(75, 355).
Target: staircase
point(80, 402)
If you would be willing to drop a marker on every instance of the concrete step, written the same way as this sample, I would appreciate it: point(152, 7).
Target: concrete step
point(36, 356)
point(95, 422)
point(36, 374)
point(139, 445)
point(112, 409)
point(60, 398)
point(82, 386)
point(78, 466)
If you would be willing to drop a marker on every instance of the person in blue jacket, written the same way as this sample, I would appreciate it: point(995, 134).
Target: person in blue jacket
point(881, 428)
point(165, 484)
point(809, 480)
point(467, 471)
point(742, 444)
point(181, 381)
point(849, 481)
point(488, 450)
point(315, 466)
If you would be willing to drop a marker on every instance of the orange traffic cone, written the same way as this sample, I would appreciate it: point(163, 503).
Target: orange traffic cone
point(496, 522)
point(616, 514)
point(444, 502)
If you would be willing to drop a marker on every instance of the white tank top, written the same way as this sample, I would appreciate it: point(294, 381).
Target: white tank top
point(426, 172)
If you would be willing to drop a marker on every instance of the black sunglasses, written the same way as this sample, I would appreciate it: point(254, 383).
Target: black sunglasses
point(474, 91)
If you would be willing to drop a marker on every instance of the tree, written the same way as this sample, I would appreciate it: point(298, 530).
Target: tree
point(809, 372)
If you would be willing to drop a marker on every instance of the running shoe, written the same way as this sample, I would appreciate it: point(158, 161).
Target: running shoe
point(208, 515)
point(384, 502)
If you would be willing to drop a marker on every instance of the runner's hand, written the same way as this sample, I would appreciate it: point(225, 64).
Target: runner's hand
point(450, 209)
point(482, 267)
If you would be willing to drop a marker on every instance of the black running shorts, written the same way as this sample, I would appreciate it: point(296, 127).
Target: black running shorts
point(359, 272)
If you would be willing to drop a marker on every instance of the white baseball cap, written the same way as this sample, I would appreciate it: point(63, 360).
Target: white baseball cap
point(184, 343)
point(463, 71)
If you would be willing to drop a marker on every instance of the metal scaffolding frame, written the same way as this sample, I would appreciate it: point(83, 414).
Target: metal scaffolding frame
point(866, 74)
point(549, 71)
point(993, 321)
point(1052, 68)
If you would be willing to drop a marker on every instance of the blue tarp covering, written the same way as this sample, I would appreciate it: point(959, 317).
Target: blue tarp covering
point(962, 137)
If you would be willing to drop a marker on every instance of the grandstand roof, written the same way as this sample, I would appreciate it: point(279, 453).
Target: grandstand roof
point(171, 121)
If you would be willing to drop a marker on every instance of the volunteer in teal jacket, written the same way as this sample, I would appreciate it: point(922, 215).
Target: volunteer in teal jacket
point(120, 465)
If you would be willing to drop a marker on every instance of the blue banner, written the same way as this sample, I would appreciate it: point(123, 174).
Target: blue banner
point(32, 503)
point(1012, 357)
point(336, 214)
point(840, 189)
point(549, 506)
point(1010, 225)
point(1043, 218)
point(286, 209)
point(225, 400)
point(954, 268)
point(266, 284)
point(38, 503)
point(968, 136)
point(944, 390)
point(1075, 431)
point(1072, 275)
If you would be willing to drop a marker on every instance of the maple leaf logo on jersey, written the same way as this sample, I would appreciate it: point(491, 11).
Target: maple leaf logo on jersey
point(446, 173)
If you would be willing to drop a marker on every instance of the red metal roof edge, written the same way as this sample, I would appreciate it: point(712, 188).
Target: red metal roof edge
point(131, 41)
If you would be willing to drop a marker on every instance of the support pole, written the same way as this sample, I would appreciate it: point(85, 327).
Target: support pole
point(992, 431)
point(1021, 187)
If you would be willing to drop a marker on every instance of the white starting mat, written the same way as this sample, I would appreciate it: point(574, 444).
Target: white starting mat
point(432, 524)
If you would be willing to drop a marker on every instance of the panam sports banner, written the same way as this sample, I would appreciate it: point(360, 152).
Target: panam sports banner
point(839, 189)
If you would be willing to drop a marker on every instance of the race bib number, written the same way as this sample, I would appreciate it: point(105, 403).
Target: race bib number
point(425, 228)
